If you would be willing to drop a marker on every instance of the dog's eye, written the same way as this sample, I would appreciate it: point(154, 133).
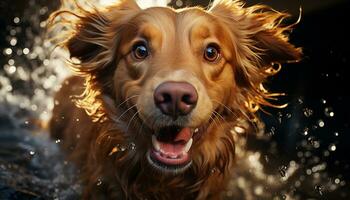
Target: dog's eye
point(212, 53)
point(140, 51)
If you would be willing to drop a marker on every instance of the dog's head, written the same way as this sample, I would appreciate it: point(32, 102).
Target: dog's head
point(176, 80)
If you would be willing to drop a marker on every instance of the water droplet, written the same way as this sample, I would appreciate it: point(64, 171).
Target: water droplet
point(297, 183)
point(11, 62)
point(239, 129)
point(213, 170)
point(307, 154)
point(282, 170)
point(132, 146)
point(329, 112)
point(300, 100)
point(342, 183)
point(57, 141)
point(16, 20)
point(10, 69)
point(43, 24)
point(13, 32)
point(306, 131)
point(336, 134)
point(46, 62)
point(99, 182)
point(179, 3)
point(321, 123)
point(337, 181)
point(8, 51)
point(122, 148)
point(77, 119)
point(332, 147)
point(288, 115)
point(25, 51)
point(31, 153)
point(308, 171)
point(300, 154)
point(266, 158)
point(317, 144)
point(279, 117)
point(13, 42)
point(319, 189)
point(283, 196)
point(34, 107)
point(307, 112)
point(323, 101)
point(272, 131)
point(326, 153)
point(43, 10)
point(311, 140)
point(259, 190)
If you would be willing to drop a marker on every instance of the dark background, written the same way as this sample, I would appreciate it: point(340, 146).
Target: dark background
point(319, 83)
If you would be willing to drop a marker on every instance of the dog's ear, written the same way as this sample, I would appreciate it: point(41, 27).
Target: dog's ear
point(259, 42)
point(92, 35)
point(258, 31)
point(93, 39)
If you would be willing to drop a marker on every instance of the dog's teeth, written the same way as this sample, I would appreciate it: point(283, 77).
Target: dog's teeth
point(173, 156)
point(155, 143)
point(196, 130)
point(188, 145)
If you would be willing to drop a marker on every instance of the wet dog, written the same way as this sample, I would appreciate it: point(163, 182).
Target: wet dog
point(158, 90)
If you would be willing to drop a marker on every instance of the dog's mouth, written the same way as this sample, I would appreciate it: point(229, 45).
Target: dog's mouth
point(171, 147)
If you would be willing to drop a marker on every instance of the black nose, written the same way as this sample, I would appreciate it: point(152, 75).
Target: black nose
point(175, 98)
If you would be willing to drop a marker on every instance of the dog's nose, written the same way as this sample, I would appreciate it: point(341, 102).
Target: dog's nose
point(175, 98)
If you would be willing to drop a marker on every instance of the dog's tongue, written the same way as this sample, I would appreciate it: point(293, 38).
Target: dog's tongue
point(183, 136)
point(178, 142)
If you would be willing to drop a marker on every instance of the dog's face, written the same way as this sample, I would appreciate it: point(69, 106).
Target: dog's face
point(182, 75)
point(175, 65)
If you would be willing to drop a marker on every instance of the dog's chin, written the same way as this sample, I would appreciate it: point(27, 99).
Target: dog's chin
point(170, 152)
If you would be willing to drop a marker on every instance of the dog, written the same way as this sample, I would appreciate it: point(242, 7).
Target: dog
point(157, 92)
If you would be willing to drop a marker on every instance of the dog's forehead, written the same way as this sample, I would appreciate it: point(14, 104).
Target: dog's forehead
point(192, 21)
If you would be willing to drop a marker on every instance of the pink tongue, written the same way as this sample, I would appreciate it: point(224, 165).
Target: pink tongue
point(178, 144)
point(184, 135)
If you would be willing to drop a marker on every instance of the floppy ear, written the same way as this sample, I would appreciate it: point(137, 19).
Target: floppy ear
point(259, 28)
point(275, 47)
point(92, 35)
point(259, 41)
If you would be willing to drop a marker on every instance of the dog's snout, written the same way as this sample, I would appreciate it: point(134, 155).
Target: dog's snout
point(175, 98)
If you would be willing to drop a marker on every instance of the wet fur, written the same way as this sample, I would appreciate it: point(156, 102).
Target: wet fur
point(94, 116)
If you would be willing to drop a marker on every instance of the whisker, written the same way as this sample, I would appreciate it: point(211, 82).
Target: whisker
point(226, 107)
point(127, 100)
point(143, 122)
point(132, 118)
point(214, 119)
point(117, 120)
point(216, 115)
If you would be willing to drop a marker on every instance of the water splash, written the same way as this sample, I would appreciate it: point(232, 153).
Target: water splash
point(29, 78)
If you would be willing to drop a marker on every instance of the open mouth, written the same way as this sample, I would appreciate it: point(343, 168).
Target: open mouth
point(171, 148)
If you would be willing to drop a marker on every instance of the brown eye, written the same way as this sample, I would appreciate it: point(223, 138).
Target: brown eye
point(140, 51)
point(212, 53)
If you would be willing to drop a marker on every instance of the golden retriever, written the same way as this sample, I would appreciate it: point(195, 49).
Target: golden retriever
point(158, 90)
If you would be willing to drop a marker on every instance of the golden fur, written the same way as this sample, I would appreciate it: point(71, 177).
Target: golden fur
point(106, 129)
